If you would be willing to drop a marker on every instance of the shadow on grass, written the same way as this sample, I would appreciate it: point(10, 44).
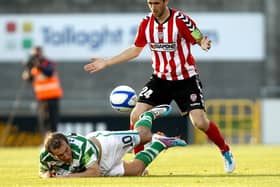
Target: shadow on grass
point(216, 175)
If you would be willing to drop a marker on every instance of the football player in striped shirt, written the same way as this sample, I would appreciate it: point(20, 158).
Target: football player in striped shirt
point(170, 33)
point(100, 153)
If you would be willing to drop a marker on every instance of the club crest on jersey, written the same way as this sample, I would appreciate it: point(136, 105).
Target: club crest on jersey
point(193, 97)
point(163, 47)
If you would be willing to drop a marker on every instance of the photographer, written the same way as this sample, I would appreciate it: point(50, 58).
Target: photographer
point(47, 89)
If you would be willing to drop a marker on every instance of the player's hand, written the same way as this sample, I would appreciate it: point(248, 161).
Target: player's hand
point(96, 64)
point(25, 75)
point(48, 174)
point(205, 43)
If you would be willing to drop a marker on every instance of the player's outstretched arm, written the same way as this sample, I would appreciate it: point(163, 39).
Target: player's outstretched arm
point(92, 171)
point(98, 64)
point(205, 43)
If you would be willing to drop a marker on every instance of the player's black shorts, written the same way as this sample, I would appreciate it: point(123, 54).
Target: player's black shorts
point(186, 93)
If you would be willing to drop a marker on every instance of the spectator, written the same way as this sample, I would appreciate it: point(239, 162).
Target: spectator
point(47, 89)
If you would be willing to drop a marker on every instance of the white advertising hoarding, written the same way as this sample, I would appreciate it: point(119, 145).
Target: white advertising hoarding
point(238, 36)
point(270, 121)
point(79, 37)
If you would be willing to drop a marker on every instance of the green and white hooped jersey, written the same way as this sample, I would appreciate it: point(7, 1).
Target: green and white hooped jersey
point(84, 153)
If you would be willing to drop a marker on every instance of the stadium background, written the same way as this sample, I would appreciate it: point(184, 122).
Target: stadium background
point(86, 96)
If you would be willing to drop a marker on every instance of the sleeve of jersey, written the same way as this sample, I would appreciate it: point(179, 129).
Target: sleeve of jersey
point(188, 28)
point(43, 165)
point(140, 39)
point(90, 155)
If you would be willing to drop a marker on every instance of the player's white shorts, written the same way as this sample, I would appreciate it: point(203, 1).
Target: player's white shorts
point(115, 144)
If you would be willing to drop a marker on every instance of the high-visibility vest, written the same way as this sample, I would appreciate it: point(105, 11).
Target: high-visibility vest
point(46, 87)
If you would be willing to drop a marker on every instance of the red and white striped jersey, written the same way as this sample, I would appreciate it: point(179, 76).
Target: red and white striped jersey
point(170, 44)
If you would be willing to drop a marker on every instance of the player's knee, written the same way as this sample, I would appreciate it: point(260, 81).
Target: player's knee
point(139, 172)
point(134, 168)
point(139, 169)
point(202, 124)
point(148, 137)
point(145, 134)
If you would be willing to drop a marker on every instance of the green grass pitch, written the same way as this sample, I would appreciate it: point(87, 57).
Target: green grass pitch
point(194, 165)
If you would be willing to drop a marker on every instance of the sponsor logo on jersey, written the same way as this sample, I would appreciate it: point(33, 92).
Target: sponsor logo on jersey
point(163, 47)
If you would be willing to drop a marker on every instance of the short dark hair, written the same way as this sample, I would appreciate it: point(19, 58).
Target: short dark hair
point(54, 141)
point(37, 50)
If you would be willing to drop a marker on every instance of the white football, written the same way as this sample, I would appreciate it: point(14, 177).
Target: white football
point(123, 98)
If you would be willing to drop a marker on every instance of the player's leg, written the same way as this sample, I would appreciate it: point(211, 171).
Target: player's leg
point(154, 93)
point(134, 117)
point(144, 124)
point(191, 102)
point(142, 159)
point(200, 120)
point(118, 143)
point(115, 144)
point(139, 109)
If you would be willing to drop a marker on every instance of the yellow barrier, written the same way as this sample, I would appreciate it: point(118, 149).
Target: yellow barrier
point(17, 138)
point(238, 120)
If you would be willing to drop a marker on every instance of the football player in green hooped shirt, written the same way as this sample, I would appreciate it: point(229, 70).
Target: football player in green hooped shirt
point(100, 153)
